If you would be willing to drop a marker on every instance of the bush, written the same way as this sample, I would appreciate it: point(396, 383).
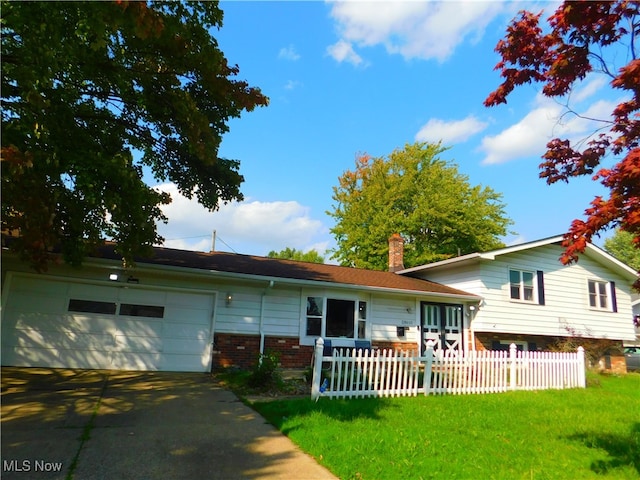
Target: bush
point(594, 348)
point(266, 373)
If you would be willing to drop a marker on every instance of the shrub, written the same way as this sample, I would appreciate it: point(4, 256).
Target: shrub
point(266, 373)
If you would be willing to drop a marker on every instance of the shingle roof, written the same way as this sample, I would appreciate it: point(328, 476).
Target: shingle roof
point(285, 269)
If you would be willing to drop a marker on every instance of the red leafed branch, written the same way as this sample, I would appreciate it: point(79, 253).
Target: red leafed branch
point(558, 58)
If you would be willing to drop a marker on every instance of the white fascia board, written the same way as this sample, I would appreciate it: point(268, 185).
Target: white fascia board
point(624, 269)
point(491, 255)
point(281, 280)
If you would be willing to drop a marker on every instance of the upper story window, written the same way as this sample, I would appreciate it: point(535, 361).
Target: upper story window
point(526, 285)
point(602, 295)
point(521, 285)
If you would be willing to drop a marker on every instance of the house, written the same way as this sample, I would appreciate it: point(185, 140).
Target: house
point(531, 299)
point(186, 311)
point(191, 311)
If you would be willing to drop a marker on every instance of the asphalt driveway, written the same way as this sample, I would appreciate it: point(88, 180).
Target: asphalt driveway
point(79, 424)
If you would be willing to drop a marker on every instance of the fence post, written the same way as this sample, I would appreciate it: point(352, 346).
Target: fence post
point(513, 350)
point(317, 369)
point(582, 373)
point(428, 367)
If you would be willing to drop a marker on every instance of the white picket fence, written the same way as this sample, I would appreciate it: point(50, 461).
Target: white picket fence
point(355, 373)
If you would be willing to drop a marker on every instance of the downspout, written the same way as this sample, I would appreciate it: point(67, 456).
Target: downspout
point(214, 307)
point(262, 303)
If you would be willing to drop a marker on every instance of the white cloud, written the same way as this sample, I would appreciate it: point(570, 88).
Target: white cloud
point(250, 227)
point(455, 131)
point(343, 52)
point(289, 53)
point(526, 138)
point(548, 119)
point(413, 29)
point(591, 86)
point(292, 84)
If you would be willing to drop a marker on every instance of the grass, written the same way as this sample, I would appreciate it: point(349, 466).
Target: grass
point(553, 434)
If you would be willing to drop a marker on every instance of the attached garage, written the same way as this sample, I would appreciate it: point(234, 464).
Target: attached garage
point(59, 323)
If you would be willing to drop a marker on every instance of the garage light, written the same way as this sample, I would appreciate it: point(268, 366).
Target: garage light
point(113, 277)
point(229, 299)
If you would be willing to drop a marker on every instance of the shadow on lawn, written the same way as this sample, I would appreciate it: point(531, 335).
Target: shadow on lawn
point(277, 412)
point(623, 450)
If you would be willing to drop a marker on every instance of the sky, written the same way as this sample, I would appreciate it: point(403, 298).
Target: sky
point(346, 78)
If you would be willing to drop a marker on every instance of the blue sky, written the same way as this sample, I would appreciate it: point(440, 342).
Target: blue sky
point(352, 77)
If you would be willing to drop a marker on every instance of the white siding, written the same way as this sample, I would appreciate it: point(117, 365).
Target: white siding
point(389, 312)
point(566, 296)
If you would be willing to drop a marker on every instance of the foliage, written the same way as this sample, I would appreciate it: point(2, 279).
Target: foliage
point(579, 433)
point(415, 193)
point(92, 92)
point(621, 246)
point(584, 37)
point(266, 372)
point(292, 254)
point(594, 348)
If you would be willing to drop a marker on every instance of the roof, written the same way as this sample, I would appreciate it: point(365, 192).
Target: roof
point(279, 269)
point(591, 251)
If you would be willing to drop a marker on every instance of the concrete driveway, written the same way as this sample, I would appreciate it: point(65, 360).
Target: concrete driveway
point(78, 424)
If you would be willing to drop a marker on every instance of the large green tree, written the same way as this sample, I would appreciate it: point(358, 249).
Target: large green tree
point(293, 254)
point(621, 246)
point(92, 92)
point(417, 194)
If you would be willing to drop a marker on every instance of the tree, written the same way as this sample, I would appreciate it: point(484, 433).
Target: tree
point(420, 196)
point(92, 93)
point(292, 254)
point(620, 245)
point(584, 37)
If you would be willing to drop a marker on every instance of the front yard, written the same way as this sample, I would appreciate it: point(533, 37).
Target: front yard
point(582, 433)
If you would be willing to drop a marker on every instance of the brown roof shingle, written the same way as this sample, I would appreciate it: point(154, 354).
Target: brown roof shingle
point(285, 269)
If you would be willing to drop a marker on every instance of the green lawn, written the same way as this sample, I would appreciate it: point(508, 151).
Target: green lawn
point(572, 434)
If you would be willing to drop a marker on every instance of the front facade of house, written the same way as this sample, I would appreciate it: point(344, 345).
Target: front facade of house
point(191, 311)
point(194, 311)
point(531, 299)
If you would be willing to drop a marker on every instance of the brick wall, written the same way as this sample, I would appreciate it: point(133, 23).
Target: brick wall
point(404, 346)
point(242, 351)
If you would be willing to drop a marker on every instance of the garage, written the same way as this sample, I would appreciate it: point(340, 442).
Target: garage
point(60, 323)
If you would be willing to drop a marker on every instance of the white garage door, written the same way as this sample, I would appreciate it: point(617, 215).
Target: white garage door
point(52, 323)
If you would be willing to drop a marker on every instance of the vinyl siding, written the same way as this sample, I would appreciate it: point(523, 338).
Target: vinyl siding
point(566, 296)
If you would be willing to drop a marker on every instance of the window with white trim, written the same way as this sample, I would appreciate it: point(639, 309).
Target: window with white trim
point(335, 318)
point(522, 285)
point(599, 294)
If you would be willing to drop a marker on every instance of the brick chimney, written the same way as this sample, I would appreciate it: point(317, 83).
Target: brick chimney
point(396, 253)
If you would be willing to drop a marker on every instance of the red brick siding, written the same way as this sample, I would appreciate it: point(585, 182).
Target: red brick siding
point(243, 350)
point(404, 346)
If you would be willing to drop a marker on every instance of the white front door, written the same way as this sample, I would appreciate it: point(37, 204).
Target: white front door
point(442, 324)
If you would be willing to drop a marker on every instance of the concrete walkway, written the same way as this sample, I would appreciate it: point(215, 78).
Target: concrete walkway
point(67, 424)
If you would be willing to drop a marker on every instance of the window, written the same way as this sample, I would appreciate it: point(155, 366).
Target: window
point(109, 308)
point(91, 306)
point(314, 316)
point(336, 318)
point(521, 285)
point(133, 310)
point(340, 318)
point(598, 294)
point(362, 319)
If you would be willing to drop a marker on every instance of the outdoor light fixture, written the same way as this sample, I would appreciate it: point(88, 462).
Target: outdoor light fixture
point(229, 299)
point(132, 279)
point(113, 277)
